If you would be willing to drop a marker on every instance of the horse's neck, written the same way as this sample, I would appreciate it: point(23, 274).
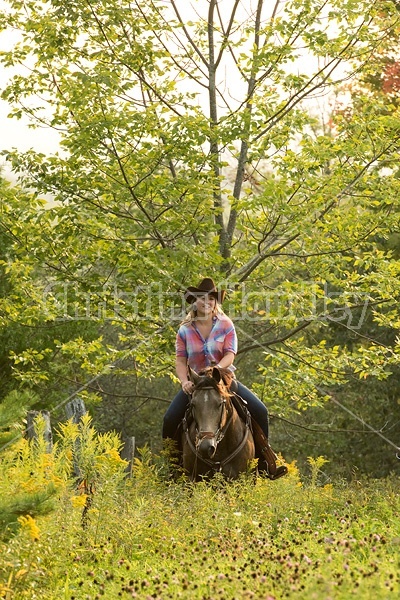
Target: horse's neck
point(234, 432)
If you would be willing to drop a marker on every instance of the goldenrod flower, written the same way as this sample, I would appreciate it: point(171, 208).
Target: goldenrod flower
point(111, 458)
point(293, 469)
point(79, 501)
point(114, 456)
point(328, 489)
point(29, 525)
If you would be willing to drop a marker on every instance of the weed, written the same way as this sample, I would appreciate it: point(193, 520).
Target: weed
point(147, 537)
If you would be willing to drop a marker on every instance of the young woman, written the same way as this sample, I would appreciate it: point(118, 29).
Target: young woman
point(207, 337)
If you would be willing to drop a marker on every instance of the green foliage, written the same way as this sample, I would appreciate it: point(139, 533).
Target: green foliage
point(345, 439)
point(32, 477)
point(32, 504)
point(316, 464)
point(146, 537)
point(13, 409)
point(192, 147)
point(33, 368)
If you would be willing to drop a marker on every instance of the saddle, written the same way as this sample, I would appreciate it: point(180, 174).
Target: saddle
point(263, 451)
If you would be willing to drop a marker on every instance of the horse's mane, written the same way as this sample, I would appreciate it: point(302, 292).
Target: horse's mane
point(207, 380)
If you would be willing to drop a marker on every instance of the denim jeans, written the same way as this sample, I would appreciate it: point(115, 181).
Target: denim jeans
point(177, 408)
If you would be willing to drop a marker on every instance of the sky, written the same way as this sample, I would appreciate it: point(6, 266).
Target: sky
point(16, 133)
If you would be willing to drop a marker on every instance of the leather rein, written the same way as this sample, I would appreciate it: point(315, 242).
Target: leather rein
point(219, 435)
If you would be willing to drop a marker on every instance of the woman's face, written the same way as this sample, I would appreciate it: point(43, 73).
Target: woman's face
point(205, 305)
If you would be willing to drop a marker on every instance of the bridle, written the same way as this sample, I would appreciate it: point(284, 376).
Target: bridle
point(218, 435)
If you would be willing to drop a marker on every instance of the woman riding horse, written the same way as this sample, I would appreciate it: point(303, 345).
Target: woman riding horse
point(205, 338)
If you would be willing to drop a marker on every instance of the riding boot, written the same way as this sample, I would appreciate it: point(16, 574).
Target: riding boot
point(267, 463)
point(266, 456)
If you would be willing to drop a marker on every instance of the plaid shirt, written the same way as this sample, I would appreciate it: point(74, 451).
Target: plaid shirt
point(201, 353)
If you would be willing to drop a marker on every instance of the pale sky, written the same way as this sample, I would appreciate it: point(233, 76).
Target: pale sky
point(15, 133)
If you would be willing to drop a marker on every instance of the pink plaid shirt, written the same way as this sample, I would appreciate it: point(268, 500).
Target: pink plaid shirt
point(201, 353)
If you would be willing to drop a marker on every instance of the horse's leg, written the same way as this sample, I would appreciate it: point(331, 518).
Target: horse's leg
point(192, 464)
point(239, 463)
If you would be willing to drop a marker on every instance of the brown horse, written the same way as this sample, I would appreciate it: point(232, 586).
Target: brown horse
point(215, 438)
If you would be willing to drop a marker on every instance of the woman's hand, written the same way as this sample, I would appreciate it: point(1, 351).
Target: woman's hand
point(188, 387)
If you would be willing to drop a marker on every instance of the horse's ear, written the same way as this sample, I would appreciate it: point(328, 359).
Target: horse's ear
point(194, 378)
point(216, 374)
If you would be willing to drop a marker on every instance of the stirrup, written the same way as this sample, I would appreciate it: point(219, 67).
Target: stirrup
point(280, 472)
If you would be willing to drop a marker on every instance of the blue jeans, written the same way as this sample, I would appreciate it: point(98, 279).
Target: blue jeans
point(177, 408)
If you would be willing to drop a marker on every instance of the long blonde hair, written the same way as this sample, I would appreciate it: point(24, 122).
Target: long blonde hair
point(191, 315)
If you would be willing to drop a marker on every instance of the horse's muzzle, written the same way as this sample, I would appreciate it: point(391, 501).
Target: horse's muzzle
point(207, 446)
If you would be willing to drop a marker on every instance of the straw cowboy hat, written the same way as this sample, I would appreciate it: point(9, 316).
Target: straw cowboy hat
point(205, 287)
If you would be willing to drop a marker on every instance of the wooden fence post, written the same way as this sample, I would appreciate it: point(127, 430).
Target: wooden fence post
point(75, 409)
point(128, 453)
point(31, 429)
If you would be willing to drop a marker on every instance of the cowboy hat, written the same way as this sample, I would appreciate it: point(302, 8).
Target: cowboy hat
point(205, 288)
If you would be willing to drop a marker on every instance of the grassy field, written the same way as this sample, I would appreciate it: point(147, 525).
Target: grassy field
point(146, 537)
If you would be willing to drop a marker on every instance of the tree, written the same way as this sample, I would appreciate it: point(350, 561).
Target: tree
point(190, 146)
point(30, 331)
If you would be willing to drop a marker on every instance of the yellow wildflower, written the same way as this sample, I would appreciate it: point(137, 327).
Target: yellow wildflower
point(328, 489)
point(4, 590)
point(111, 458)
point(293, 469)
point(29, 525)
point(79, 501)
point(114, 456)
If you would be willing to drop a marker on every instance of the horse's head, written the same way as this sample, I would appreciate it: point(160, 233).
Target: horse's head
point(208, 403)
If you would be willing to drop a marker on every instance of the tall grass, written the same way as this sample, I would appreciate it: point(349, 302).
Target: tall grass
point(147, 537)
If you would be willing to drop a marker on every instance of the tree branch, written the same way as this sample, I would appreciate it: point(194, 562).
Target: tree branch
point(244, 144)
point(187, 34)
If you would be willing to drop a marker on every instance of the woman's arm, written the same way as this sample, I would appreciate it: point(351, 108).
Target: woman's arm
point(229, 347)
point(227, 360)
point(181, 371)
point(181, 368)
